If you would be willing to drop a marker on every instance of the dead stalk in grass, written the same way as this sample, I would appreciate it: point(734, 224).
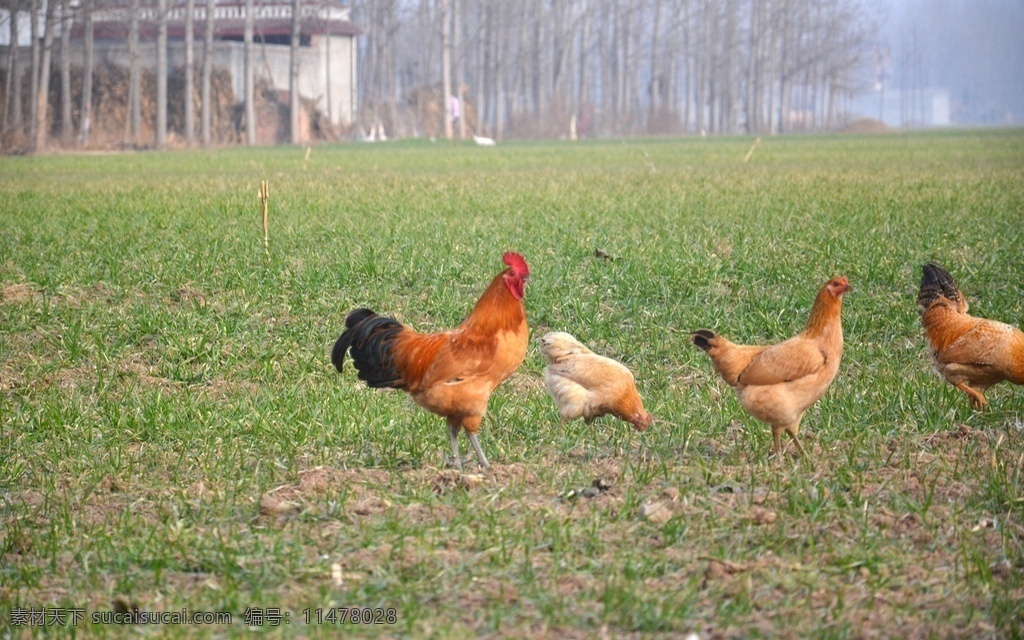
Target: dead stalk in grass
point(264, 196)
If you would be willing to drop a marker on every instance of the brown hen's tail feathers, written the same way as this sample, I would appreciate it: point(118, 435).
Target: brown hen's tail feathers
point(937, 283)
point(368, 339)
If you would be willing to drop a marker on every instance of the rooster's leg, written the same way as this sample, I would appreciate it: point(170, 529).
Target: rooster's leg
point(978, 402)
point(453, 434)
point(480, 457)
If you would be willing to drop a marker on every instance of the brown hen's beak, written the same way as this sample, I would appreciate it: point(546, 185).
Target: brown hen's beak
point(640, 423)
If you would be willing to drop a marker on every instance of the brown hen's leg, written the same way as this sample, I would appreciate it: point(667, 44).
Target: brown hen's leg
point(480, 457)
point(453, 434)
point(978, 402)
point(791, 430)
point(776, 444)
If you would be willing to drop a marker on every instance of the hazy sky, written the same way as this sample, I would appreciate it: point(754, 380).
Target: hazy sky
point(973, 48)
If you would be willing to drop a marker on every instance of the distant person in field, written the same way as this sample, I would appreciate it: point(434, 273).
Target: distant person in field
point(453, 106)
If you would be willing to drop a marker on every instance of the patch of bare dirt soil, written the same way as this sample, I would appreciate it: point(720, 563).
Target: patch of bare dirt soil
point(18, 293)
point(866, 125)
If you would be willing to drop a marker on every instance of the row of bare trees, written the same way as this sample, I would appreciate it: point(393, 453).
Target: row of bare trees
point(60, 17)
point(612, 67)
point(537, 68)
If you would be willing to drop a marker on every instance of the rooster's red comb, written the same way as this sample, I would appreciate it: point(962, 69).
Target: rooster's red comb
point(517, 263)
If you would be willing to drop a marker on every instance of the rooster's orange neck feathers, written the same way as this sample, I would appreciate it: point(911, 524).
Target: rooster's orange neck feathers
point(501, 306)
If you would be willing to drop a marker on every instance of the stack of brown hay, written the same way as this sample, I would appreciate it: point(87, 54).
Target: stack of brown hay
point(428, 105)
point(110, 126)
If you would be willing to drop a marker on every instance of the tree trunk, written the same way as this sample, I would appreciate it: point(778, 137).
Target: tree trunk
point(66, 132)
point(250, 74)
point(206, 109)
point(161, 74)
point(689, 69)
point(480, 61)
point(85, 119)
point(12, 106)
point(327, 74)
point(293, 72)
point(458, 79)
point(655, 81)
point(446, 70)
point(583, 82)
point(752, 104)
point(42, 128)
point(190, 61)
point(605, 57)
point(35, 70)
point(134, 98)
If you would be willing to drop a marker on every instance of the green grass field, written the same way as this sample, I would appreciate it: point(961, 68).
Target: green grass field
point(173, 436)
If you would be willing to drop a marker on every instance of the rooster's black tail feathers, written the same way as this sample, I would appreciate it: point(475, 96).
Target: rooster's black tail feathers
point(342, 344)
point(367, 338)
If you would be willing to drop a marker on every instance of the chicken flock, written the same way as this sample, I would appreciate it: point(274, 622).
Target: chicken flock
point(453, 373)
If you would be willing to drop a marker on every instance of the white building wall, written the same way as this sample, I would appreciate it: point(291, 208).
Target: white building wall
point(940, 108)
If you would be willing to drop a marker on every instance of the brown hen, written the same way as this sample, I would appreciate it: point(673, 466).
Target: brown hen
point(971, 353)
point(777, 384)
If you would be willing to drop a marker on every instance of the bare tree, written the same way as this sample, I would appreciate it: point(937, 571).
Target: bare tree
point(35, 70)
point(65, 72)
point(161, 74)
point(380, 77)
point(446, 55)
point(190, 61)
point(459, 69)
point(12, 88)
point(41, 130)
point(328, 60)
point(583, 92)
point(537, 67)
point(206, 107)
point(250, 74)
point(85, 119)
point(293, 73)
point(133, 124)
point(655, 91)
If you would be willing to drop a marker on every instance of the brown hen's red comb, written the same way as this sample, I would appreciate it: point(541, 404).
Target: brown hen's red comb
point(517, 263)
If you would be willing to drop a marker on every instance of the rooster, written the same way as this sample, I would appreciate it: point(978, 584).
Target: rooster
point(585, 384)
point(451, 373)
point(972, 354)
point(777, 384)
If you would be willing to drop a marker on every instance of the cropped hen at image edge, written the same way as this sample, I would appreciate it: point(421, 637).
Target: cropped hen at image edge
point(971, 353)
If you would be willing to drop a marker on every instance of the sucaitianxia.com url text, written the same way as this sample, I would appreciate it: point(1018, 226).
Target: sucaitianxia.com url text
point(60, 616)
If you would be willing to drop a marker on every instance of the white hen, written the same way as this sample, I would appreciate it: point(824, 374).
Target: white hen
point(584, 384)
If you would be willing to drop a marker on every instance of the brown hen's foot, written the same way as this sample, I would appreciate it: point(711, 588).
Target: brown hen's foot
point(799, 447)
point(777, 442)
point(978, 402)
